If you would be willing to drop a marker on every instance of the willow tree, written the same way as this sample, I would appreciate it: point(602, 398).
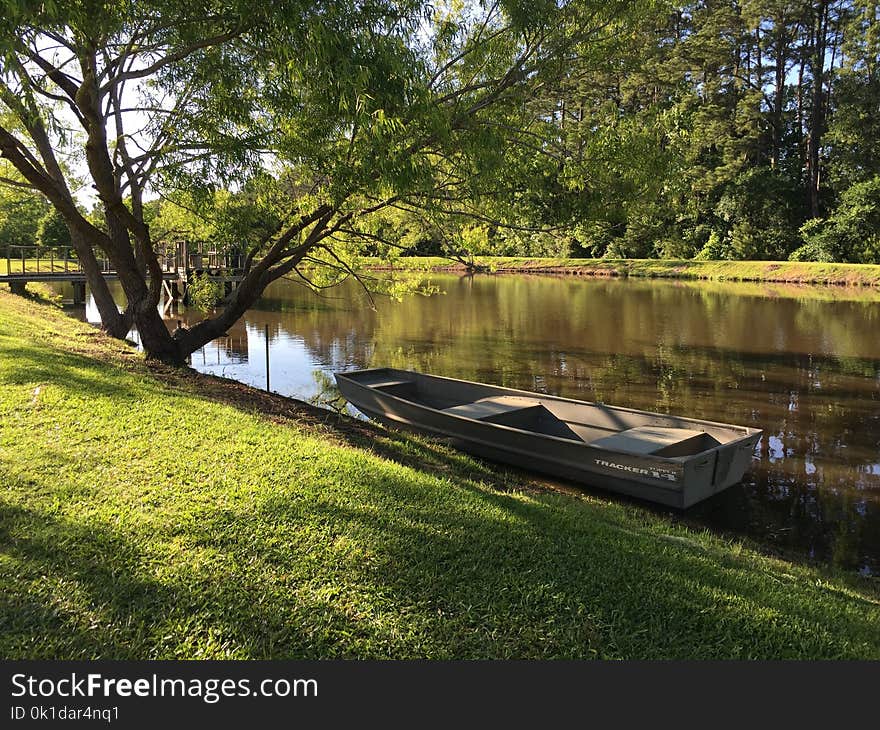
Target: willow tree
point(333, 111)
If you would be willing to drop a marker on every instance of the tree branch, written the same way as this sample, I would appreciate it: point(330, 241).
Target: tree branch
point(170, 58)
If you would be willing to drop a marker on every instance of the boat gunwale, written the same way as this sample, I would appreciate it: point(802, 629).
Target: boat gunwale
point(677, 487)
point(677, 460)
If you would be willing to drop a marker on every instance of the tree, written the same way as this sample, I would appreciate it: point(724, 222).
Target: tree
point(52, 232)
point(854, 128)
point(335, 110)
point(21, 210)
point(851, 233)
point(696, 135)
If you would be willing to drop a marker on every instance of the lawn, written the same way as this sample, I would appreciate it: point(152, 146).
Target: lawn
point(152, 513)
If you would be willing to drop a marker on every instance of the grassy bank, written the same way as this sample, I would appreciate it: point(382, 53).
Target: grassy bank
point(772, 271)
point(149, 513)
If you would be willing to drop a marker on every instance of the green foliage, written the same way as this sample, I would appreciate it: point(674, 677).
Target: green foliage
point(760, 211)
point(854, 128)
point(715, 249)
point(204, 292)
point(854, 131)
point(177, 220)
point(53, 233)
point(475, 239)
point(812, 250)
point(851, 232)
point(692, 136)
point(510, 242)
point(21, 211)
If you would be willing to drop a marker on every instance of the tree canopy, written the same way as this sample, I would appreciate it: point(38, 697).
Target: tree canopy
point(321, 113)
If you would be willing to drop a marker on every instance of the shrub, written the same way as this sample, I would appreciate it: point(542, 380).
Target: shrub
point(204, 292)
point(851, 233)
point(716, 248)
point(761, 211)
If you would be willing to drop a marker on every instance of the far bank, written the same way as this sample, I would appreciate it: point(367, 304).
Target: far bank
point(790, 272)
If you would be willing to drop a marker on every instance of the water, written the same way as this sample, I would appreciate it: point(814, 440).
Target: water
point(802, 364)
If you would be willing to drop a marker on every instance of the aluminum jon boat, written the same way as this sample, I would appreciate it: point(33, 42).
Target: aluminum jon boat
point(666, 459)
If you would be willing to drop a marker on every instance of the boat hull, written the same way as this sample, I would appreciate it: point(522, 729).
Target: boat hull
point(676, 482)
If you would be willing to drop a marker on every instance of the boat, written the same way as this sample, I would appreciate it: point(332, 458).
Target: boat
point(671, 460)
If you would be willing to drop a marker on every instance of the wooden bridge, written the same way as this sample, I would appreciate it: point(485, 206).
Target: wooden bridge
point(179, 263)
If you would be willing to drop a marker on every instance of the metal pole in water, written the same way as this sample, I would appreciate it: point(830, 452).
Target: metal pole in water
point(267, 359)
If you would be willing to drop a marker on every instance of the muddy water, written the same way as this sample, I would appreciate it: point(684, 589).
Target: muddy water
point(802, 364)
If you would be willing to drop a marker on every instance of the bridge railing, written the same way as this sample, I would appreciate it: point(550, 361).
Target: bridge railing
point(214, 261)
point(33, 259)
point(18, 260)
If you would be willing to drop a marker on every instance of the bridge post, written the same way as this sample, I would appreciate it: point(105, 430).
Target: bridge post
point(18, 287)
point(79, 292)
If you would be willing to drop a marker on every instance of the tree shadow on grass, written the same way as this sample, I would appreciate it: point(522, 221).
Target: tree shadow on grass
point(418, 452)
point(73, 591)
point(22, 365)
point(508, 577)
point(400, 569)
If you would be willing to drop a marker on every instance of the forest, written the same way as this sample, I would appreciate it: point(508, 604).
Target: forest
point(732, 130)
point(717, 130)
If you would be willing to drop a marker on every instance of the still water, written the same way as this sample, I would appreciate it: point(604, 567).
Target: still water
point(803, 364)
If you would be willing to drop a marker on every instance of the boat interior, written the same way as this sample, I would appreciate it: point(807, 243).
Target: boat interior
point(595, 424)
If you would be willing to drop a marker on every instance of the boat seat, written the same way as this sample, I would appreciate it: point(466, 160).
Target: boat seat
point(388, 383)
point(647, 439)
point(489, 407)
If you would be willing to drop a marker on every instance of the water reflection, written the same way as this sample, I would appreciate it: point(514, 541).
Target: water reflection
point(802, 365)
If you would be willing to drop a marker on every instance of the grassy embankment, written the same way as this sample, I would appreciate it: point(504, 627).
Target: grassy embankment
point(148, 513)
point(772, 271)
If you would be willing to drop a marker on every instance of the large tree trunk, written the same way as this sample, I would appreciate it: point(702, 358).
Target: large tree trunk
point(257, 278)
point(113, 321)
point(778, 124)
point(154, 335)
point(156, 339)
point(817, 106)
point(142, 306)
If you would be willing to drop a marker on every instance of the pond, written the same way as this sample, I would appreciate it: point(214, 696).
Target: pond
point(801, 363)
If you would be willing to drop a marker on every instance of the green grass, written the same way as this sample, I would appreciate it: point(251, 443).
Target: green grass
point(152, 513)
point(772, 271)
